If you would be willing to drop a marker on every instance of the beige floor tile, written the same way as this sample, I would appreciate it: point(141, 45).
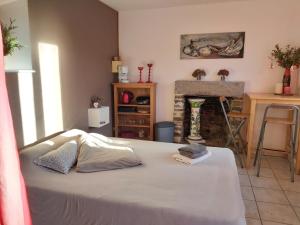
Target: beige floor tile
point(285, 174)
point(264, 182)
point(244, 180)
point(251, 209)
point(287, 185)
point(251, 221)
point(272, 223)
point(282, 174)
point(265, 163)
point(270, 195)
point(294, 198)
point(264, 172)
point(242, 171)
point(279, 163)
point(297, 209)
point(247, 193)
point(277, 213)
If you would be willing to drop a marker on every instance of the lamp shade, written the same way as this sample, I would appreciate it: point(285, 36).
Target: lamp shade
point(116, 62)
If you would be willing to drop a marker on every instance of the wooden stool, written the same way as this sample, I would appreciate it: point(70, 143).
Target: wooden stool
point(293, 123)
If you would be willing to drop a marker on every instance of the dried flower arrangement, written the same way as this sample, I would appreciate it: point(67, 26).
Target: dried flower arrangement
point(286, 58)
point(198, 73)
point(96, 101)
point(223, 73)
point(10, 42)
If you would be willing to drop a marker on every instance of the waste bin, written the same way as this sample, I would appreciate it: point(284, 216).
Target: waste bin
point(164, 131)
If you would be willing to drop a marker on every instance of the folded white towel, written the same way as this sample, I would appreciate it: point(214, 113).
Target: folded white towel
point(189, 161)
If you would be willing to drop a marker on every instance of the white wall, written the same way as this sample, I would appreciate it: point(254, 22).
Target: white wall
point(154, 35)
point(21, 59)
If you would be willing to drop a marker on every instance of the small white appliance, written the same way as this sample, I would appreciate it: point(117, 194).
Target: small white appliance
point(98, 117)
point(123, 74)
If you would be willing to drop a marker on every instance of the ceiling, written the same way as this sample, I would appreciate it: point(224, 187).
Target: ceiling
point(121, 5)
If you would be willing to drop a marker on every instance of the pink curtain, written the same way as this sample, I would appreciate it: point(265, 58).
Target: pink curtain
point(13, 199)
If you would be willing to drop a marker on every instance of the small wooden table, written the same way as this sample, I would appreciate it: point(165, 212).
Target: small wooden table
point(258, 98)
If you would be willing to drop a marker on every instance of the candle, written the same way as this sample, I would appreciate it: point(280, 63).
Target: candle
point(278, 88)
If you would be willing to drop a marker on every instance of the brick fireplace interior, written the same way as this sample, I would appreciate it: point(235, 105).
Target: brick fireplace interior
point(213, 126)
point(212, 121)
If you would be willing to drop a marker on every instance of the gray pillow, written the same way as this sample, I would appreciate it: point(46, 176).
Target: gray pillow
point(62, 159)
point(100, 157)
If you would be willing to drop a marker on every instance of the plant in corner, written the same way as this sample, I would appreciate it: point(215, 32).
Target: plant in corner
point(10, 42)
point(286, 58)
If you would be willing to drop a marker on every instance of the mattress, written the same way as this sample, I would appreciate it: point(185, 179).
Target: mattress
point(160, 192)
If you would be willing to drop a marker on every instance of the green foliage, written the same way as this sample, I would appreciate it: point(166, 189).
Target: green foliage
point(288, 57)
point(10, 42)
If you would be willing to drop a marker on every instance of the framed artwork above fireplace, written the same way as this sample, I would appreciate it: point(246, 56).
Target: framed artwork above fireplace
point(212, 45)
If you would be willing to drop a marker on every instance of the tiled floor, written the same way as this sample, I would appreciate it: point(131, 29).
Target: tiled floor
point(271, 199)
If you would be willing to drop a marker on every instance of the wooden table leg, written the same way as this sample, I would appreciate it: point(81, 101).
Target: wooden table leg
point(250, 132)
point(297, 169)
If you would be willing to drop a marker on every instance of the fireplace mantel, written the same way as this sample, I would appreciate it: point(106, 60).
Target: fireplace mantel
point(185, 88)
point(209, 88)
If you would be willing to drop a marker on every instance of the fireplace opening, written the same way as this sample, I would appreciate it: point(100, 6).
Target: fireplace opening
point(213, 127)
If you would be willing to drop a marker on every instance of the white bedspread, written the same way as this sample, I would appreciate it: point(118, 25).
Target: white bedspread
point(161, 192)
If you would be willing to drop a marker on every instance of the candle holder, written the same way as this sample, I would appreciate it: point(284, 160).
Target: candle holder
point(149, 75)
point(140, 68)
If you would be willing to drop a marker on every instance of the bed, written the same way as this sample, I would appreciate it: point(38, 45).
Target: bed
point(160, 192)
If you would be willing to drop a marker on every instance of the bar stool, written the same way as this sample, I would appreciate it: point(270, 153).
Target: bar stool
point(235, 137)
point(293, 123)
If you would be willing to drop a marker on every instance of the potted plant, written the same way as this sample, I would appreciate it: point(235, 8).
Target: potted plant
point(223, 73)
point(96, 101)
point(198, 73)
point(287, 58)
point(10, 42)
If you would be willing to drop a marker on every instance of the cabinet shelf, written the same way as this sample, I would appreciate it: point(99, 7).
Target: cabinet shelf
point(134, 114)
point(134, 105)
point(135, 122)
point(133, 125)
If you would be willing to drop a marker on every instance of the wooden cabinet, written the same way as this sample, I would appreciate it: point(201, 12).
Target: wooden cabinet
point(134, 119)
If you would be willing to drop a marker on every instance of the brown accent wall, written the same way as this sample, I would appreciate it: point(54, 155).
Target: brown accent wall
point(86, 33)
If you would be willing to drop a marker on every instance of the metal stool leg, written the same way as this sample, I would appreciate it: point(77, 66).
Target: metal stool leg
point(294, 135)
point(260, 148)
point(232, 136)
point(292, 166)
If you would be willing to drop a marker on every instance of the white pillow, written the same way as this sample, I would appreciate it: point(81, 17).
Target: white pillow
point(99, 156)
point(62, 159)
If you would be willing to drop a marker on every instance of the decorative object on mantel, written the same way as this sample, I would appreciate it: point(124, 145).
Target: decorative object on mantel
point(198, 73)
point(212, 46)
point(287, 59)
point(140, 68)
point(96, 101)
point(10, 42)
point(195, 136)
point(223, 74)
point(150, 65)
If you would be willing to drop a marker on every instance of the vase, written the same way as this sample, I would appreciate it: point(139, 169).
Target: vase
point(294, 80)
point(195, 136)
point(286, 82)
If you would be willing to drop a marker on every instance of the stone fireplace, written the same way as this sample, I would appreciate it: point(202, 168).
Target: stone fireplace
point(213, 127)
